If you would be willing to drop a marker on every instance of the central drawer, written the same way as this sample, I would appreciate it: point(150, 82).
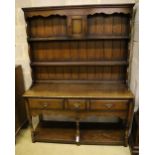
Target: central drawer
point(46, 103)
point(75, 104)
point(108, 104)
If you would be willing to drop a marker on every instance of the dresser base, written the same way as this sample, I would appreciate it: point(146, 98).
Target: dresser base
point(75, 116)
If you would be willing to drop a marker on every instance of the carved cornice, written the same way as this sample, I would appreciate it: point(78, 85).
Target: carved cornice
point(77, 10)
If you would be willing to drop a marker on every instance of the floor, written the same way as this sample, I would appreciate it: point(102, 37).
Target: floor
point(24, 146)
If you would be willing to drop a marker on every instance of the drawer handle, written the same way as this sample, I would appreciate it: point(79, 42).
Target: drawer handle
point(45, 105)
point(109, 105)
point(76, 105)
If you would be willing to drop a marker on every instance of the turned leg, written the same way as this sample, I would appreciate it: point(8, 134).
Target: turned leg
point(30, 121)
point(129, 122)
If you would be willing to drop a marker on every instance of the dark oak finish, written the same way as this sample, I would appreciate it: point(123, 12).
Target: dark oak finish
point(79, 60)
point(20, 110)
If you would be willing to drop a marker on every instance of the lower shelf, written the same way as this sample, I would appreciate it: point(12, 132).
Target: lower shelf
point(90, 133)
point(101, 133)
point(59, 132)
point(106, 137)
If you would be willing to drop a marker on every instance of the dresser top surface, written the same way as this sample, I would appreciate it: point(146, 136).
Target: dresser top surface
point(80, 6)
point(79, 90)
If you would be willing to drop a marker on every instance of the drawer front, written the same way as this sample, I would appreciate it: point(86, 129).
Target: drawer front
point(75, 104)
point(109, 104)
point(46, 103)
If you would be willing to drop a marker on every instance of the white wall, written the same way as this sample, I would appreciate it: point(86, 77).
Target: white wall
point(134, 56)
point(21, 54)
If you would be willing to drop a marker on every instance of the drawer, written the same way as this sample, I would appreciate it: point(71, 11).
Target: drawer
point(46, 103)
point(109, 104)
point(75, 104)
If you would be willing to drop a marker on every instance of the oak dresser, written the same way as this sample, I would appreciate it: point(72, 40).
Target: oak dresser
point(79, 60)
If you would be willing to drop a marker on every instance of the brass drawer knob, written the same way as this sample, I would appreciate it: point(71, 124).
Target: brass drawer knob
point(45, 105)
point(109, 105)
point(76, 105)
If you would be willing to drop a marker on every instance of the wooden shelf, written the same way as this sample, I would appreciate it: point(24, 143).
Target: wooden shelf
point(65, 132)
point(62, 132)
point(101, 133)
point(78, 90)
point(108, 37)
point(80, 63)
point(104, 136)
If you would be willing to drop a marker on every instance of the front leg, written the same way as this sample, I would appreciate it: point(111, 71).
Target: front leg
point(129, 122)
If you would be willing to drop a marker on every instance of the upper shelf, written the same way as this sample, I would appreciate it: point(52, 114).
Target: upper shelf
point(106, 37)
point(80, 63)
